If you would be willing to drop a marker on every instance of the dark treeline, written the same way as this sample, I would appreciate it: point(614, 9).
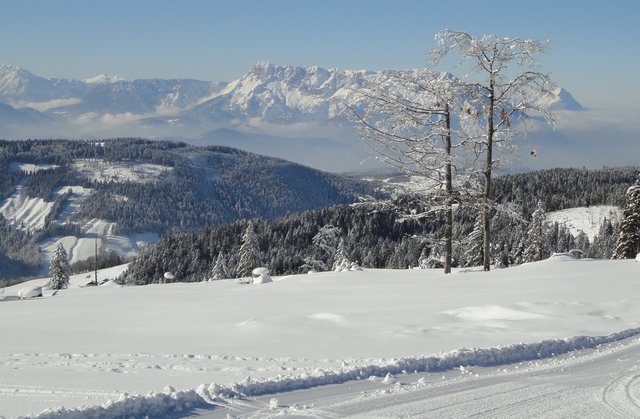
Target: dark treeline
point(208, 186)
point(377, 236)
point(565, 188)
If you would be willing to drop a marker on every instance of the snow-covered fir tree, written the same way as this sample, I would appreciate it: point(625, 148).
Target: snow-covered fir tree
point(474, 245)
point(325, 244)
point(583, 243)
point(538, 242)
point(219, 269)
point(629, 236)
point(342, 262)
point(423, 259)
point(59, 269)
point(250, 256)
point(435, 260)
point(604, 244)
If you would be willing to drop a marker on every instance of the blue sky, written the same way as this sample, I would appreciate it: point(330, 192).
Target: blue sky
point(595, 51)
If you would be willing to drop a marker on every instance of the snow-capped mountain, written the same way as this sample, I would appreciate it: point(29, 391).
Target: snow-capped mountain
point(286, 94)
point(296, 108)
point(280, 94)
point(100, 95)
point(19, 87)
point(560, 99)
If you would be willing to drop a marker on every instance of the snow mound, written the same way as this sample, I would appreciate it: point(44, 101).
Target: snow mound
point(562, 257)
point(111, 283)
point(30, 292)
point(492, 312)
point(638, 257)
point(261, 276)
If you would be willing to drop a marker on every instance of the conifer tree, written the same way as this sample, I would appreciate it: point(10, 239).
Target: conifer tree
point(59, 269)
point(629, 237)
point(342, 262)
point(250, 257)
point(219, 269)
point(474, 252)
point(325, 244)
point(538, 242)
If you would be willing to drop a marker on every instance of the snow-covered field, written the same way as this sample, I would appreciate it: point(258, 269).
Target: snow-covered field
point(586, 219)
point(85, 346)
point(107, 171)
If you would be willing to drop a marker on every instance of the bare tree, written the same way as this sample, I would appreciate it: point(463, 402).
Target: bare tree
point(408, 122)
point(506, 88)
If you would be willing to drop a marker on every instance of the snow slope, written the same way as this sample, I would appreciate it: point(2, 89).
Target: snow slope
point(81, 248)
point(586, 219)
point(25, 212)
point(29, 213)
point(301, 331)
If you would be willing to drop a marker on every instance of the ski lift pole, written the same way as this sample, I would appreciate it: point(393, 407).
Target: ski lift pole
point(95, 262)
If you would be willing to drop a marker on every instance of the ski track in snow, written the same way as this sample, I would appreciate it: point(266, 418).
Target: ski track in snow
point(590, 383)
point(498, 382)
point(330, 345)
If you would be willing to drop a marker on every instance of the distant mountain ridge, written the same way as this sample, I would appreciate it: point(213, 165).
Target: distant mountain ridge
point(279, 101)
point(274, 93)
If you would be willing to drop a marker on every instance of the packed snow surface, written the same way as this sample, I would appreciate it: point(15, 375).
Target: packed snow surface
point(586, 219)
point(214, 348)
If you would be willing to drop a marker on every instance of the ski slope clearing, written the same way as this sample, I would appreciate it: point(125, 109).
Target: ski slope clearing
point(107, 171)
point(15, 166)
point(30, 213)
point(82, 248)
point(183, 349)
point(24, 212)
point(586, 219)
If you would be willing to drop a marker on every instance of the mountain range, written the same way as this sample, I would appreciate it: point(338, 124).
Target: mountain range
point(297, 113)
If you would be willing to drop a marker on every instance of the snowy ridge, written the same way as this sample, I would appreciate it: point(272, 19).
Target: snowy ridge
point(172, 401)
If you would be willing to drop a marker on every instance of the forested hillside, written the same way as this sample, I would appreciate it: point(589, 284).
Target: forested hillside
point(50, 188)
point(565, 188)
point(382, 236)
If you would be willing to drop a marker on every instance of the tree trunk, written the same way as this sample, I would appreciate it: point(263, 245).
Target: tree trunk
point(486, 241)
point(448, 232)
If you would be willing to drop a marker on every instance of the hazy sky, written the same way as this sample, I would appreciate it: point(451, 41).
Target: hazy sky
point(595, 52)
